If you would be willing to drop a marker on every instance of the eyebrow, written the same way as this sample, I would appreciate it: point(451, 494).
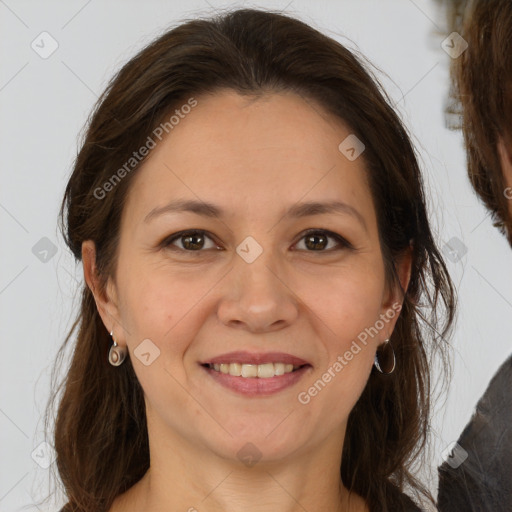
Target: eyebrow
point(296, 211)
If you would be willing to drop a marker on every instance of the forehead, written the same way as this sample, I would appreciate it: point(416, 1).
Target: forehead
point(248, 151)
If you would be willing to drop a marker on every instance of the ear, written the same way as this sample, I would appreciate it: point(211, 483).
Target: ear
point(394, 298)
point(104, 296)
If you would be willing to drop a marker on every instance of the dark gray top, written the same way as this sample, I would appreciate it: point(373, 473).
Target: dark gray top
point(483, 481)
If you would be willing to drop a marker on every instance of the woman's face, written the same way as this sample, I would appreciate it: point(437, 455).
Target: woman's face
point(252, 282)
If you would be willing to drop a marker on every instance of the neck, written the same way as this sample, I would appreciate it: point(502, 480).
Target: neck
point(186, 478)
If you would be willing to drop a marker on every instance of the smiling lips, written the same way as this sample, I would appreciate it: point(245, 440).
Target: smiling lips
point(256, 374)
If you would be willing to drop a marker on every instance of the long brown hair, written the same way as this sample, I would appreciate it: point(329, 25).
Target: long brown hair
point(101, 438)
point(481, 95)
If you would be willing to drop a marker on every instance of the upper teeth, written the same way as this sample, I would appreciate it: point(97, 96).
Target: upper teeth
point(263, 371)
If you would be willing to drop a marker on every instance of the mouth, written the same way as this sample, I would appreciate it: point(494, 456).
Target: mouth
point(254, 371)
point(256, 374)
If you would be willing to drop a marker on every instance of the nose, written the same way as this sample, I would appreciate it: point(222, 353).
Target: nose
point(257, 297)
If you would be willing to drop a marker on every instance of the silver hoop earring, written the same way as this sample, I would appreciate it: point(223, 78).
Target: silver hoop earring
point(385, 361)
point(117, 354)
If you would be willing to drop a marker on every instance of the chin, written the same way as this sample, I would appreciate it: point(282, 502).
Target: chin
point(252, 444)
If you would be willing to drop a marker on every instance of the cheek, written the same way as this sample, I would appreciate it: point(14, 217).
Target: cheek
point(164, 309)
point(168, 307)
point(348, 302)
point(349, 311)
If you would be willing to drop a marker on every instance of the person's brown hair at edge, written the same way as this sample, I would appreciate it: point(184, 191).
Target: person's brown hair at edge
point(480, 103)
point(480, 100)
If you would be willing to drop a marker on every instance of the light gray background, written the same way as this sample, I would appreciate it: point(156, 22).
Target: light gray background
point(44, 104)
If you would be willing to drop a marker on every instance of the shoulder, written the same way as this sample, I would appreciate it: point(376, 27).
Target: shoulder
point(497, 398)
point(399, 501)
point(477, 476)
point(404, 503)
point(409, 505)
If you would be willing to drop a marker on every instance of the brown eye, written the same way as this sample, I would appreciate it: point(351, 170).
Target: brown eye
point(190, 241)
point(317, 240)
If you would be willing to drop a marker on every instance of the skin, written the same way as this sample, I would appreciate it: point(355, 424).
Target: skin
point(255, 158)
